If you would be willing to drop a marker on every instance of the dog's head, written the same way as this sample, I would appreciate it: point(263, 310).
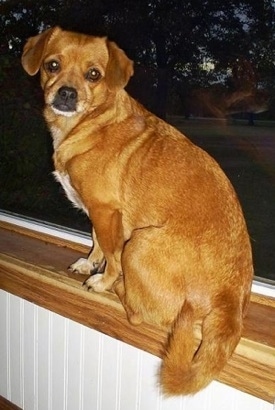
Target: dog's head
point(78, 72)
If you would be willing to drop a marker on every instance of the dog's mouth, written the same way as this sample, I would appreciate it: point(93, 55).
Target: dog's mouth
point(65, 101)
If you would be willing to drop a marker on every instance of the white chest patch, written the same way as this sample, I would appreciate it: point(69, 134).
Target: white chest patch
point(57, 136)
point(71, 193)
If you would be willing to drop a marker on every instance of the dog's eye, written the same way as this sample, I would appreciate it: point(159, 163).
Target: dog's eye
point(93, 75)
point(52, 66)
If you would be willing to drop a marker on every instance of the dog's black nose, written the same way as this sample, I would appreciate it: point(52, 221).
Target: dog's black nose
point(65, 100)
point(67, 93)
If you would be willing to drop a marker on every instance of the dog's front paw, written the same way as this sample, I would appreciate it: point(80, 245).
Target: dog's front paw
point(95, 283)
point(82, 266)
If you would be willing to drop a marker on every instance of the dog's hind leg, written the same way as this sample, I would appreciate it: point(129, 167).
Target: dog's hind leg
point(135, 318)
point(146, 289)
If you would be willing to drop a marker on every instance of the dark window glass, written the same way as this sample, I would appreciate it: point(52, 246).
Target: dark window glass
point(207, 67)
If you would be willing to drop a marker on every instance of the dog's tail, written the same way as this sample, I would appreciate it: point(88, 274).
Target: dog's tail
point(185, 369)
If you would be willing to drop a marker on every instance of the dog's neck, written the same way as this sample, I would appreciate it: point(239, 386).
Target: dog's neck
point(59, 126)
point(113, 110)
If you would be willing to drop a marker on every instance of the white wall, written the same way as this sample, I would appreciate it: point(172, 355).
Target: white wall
point(49, 362)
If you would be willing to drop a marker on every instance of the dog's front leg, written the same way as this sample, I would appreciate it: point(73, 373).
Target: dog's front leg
point(109, 231)
point(95, 262)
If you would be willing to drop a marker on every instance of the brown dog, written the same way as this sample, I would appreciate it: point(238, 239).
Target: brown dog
point(168, 229)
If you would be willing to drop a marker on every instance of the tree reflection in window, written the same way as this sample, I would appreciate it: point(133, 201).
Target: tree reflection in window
point(207, 67)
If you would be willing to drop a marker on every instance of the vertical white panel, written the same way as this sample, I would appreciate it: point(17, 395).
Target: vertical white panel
point(81, 367)
point(100, 372)
point(130, 377)
point(8, 343)
point(118, 374)
point(22, 355)
point(50, 361)
point(73, 366)
point(110, 370)
point(149, 393)
point(222, 396)
point(58, 354)
point(29, 356)
point(174, 403)
point(200, 401)
point(91, 355)
point(245, 401)
point(3, 343)
point(42, 365)
point(15, 350)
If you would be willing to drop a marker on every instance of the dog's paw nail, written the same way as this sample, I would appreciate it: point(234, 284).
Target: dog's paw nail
point(86, 287)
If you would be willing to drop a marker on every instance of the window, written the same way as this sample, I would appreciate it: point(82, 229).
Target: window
point(208, 68)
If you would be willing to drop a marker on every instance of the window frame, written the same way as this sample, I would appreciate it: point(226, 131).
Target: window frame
point(260, 286)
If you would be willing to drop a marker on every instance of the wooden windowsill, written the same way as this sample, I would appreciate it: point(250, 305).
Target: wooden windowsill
point(7, 405)
point(33, 267)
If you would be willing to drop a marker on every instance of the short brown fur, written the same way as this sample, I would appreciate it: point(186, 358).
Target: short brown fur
point(168, 229)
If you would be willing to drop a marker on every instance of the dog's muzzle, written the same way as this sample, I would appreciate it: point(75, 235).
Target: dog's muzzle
point(65, 100)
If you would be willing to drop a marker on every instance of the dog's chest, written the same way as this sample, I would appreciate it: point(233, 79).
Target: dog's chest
point(71, 193)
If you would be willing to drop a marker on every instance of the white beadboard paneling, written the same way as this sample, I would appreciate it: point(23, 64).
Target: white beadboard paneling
point(58, 353)
point(49, 362)
point(211, 397)
point(42, 357)
point(73, 367)
point(118, 374)
point(29, 344)
point(15, 358)
point(91, 356)
point(81, 372)
point(110, 369)
point(149, 392)
point(247, 402)
point(4, 312)
point(130, 371)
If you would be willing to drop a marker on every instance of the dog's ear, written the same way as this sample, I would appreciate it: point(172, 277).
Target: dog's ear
point(34, 49)
point(119, 68)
